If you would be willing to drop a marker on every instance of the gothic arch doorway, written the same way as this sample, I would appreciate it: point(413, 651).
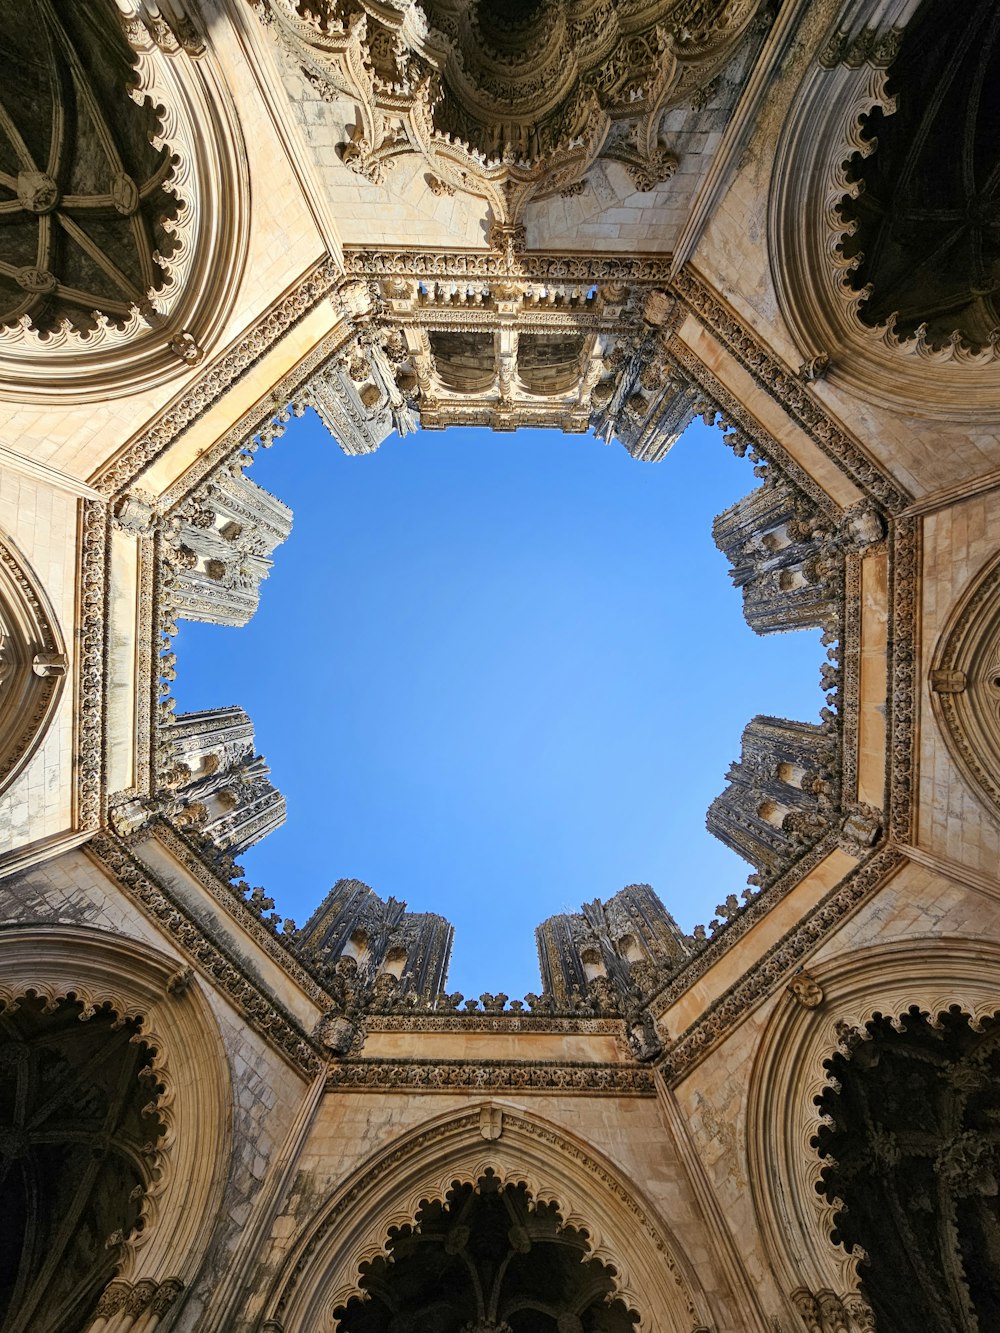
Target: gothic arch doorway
point(114, 1100)
point(579, 1198)
point(487, 1258)
point(789, 1180)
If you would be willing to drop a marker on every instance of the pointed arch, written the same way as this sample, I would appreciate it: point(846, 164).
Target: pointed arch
point(933, 974)
point(321, 1270)
point(188, 1061)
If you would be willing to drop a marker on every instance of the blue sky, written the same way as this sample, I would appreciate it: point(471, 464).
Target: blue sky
point(497, 676)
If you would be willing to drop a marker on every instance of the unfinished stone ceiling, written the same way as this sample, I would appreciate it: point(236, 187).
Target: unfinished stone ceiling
point(584, 123)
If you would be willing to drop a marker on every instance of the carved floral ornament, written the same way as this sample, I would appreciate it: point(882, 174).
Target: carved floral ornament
point(123, 198)
point(816, 1276)
point(512, 101)
point(321, 1270)
point(112, 975)
point(852, 279)
point(33, 664)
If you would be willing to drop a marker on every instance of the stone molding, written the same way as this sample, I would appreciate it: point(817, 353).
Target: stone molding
point(780, 961)
point(262, 1012)
point(232, 903)
point(90, 713)
point(321, 1269)
point(466, 1021)
point(796, 1220)
point(823, 130)
point(904, 556)
point(538, 266)
point(965, 684)
point(123, 471)
point(99, 969)
point(801, 405)
point(199, 125)
point(33, 662)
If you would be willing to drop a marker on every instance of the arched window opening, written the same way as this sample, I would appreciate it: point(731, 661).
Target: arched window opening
point(628, 948)
point(78, 1143)
point(593, 964)
point(793, 774)
point(357, 946)
point(913, 1155)
point(487, 1258)
point(395, 963)
point(773, 813)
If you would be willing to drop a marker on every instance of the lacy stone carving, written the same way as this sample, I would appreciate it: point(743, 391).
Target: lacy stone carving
point(510, 103)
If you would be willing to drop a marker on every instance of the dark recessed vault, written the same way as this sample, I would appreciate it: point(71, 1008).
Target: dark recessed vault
point(913, 1152)
point(487, 1259)
point(82, 196)
point(78, 1140)
point(927, 217)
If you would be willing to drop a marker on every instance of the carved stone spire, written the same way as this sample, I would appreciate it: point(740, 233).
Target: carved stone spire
point(393, 949)
point(214, 783)
point(781, 793)
point(221, 542)
point(613, 951)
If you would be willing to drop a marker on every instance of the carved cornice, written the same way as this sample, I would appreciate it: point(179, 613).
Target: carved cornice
point(93, 681)
point(651, 270)
point(904, 557)
point(736, 926)
point(263, 1013)
point(781, 960)
point(516, 1076)
point(785, 388)
point(125, 468)
point(471, 1021)
point(232, 903)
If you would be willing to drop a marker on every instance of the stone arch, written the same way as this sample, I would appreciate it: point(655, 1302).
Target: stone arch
point(188, 1061)
point(812, 258)
point(965, 685)
point(321, 1271)
point(33, 663)
point(910, 1149)
point(143, 331)
point(933, 974)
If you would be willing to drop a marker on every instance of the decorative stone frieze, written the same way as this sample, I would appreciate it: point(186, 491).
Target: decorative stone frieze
point(210, 955)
